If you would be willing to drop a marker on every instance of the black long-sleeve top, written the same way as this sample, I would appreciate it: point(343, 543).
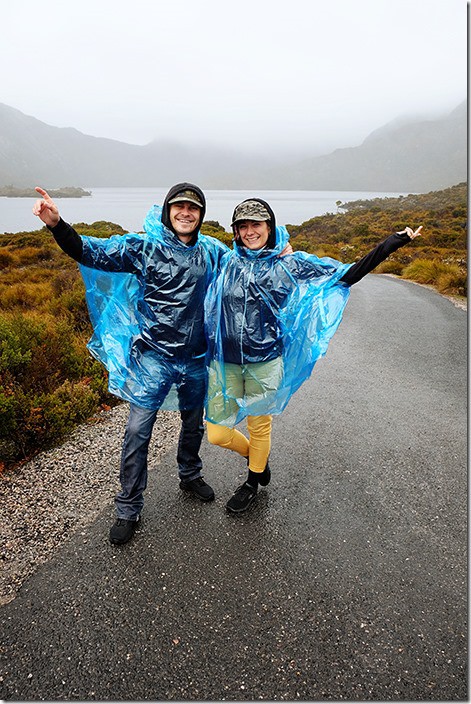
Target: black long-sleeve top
point(71, 243)
point(68, 239)
point(371, 260)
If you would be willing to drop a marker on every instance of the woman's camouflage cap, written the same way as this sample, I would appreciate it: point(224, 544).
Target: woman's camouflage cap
point(250, 210)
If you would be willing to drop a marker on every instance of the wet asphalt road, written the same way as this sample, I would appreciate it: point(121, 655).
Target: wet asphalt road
point(347, 579)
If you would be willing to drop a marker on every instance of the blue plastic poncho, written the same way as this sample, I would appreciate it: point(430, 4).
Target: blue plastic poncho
point(268, 321)
point(145, 294)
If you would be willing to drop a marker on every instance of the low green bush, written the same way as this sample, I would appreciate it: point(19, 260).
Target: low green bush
point(33, 422)
point(72, 303)
point(48, 382)
point(67, 406)
point(18, 337)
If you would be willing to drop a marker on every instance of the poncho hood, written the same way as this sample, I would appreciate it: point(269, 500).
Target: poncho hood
point(274, 239)
point(277, 240)
point(166, 208)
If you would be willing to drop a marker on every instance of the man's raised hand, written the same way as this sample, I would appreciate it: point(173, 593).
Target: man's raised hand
point(45, 208)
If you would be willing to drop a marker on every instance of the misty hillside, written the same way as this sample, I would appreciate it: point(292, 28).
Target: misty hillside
point(418, 156)
point(32, 152)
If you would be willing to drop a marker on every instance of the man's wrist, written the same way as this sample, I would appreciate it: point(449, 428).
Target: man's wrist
point(58, 227)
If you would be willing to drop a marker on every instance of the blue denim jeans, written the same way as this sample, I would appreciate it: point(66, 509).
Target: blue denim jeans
point(133, 474)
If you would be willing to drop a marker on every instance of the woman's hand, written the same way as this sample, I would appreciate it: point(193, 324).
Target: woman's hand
point(409, 231)
point(287, 250)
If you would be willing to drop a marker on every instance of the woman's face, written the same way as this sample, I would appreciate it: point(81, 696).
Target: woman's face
point(253, 233)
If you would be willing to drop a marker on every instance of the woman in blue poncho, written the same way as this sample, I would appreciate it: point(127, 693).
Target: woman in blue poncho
point(269, 319)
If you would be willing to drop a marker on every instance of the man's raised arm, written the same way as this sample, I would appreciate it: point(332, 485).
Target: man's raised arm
point(66, 237)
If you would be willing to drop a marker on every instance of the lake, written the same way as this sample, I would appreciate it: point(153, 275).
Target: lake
point(127, 206)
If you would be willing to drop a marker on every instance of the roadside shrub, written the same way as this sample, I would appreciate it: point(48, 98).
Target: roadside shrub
point(25, 296)
point(48, 382)
point(390, 267)
point(18, 336)
point(52, 361)
point(64, 281)
point(299, 244)
point(361, 230)
point(97, 377)
point(453, 282)
point(448, 278)
point(69, 300)
point(29, 423)
point(70, 404)
point(8, 416)
point(74, 303)
point(425, 271)
point(327, 251)
point(28, 255)
point(46, 254)
point(11, 443)
point(7, 258)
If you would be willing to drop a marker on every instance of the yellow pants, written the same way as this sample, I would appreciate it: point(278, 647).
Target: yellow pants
point(231, 385)
point(256, 448)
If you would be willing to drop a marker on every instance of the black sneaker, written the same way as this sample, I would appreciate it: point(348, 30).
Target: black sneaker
point(242, 498)
point(122, 531)
point(199, 488)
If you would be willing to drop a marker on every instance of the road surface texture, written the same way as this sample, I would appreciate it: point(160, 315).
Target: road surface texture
point(345, 581)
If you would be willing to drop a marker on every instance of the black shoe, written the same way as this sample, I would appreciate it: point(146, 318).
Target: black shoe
point(122, 531)
point(265, 476)
point(242, 498)
point(199, 488)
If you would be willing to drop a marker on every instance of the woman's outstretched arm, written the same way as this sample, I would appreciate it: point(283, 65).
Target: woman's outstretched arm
point(371, 260)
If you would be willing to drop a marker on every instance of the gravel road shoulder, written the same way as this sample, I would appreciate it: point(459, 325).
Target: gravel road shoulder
point(47, 499)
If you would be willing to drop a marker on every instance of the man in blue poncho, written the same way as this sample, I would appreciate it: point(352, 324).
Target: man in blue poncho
point(145, 294)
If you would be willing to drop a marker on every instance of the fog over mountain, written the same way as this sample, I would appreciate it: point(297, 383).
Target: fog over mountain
point(415, 156)
point(403, 155)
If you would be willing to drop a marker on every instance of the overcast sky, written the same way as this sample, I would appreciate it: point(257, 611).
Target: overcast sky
point(310, 74)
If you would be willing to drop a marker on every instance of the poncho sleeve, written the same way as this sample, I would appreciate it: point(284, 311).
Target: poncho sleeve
point(119, 253)
point(309, 318)
point(108, 268)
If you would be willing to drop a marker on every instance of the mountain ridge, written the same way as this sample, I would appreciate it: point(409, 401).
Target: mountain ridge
point(409, 156)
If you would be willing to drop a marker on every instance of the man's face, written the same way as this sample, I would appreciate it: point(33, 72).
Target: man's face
point(254, 234)
point(185, 218)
